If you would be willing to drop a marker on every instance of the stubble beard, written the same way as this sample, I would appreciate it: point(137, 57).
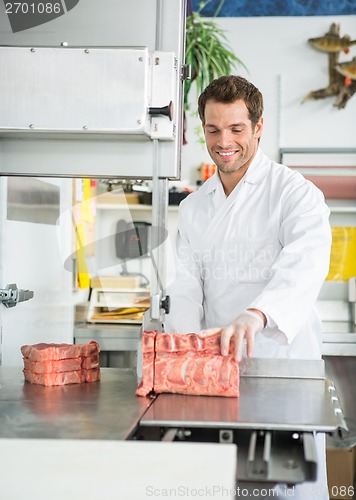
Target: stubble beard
point(239, 164)
point(231, 169)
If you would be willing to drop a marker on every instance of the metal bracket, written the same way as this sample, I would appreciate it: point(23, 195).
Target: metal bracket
point(156, 306)
point(186, 72)
point(11, 295)
point(259, 454)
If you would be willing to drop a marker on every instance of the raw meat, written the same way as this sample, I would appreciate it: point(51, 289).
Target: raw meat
point(91, 375)
point(90, 349)
point(45, 352)
point(63, 378)
point(73, 377)
point(90, 361)
point(55, 366)
point(187, 364)
point(60, 364)
point(148, 355)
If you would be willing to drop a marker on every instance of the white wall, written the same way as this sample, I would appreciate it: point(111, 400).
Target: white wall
point(31, 258)
point(285, 68)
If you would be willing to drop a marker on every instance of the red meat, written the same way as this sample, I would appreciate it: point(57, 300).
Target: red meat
point(46, 352)
point(90, 349)
point(89, 362)
point(148, 355)
point(91, 375)
point(187, 364)
point(60, 364)
point(73, 377)
point(49, 352)
point(55, 366)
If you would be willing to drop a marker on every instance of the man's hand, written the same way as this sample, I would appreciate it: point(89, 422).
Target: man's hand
point(243, 328)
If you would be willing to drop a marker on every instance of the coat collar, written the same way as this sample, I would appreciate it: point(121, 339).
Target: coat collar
point(255, 174)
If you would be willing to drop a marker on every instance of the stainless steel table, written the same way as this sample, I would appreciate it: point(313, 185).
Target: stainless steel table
point(282, 403)
point(287, 394)
point(278, 394)
point(103, 410)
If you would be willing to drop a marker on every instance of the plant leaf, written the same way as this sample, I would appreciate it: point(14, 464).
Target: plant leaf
point(207, 52)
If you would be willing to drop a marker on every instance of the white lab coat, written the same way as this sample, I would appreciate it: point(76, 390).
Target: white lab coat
point(265, 246)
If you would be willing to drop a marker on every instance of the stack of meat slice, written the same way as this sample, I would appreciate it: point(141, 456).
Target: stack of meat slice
point(187, 364)
point(60, 364)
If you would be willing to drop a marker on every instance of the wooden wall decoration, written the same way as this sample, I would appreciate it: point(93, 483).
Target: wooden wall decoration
point(342, 76)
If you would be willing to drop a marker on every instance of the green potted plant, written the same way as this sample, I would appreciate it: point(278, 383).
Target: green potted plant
point(206, 51)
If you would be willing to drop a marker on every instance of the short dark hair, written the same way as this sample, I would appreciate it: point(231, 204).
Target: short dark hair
point(228, 89)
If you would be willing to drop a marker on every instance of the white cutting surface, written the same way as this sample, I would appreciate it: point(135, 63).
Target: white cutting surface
point(50, 469)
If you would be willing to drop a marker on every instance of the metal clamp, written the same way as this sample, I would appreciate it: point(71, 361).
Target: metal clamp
point(11, 295)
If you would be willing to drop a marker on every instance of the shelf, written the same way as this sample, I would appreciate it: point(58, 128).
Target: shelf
point(342, 206)
point(82, 328)
point(334, 205)
point(102, 299)
point(131, 207)
point(326, 171)
point(115, 305)
point(116, 289)
point(343, 210)
point(115, 322)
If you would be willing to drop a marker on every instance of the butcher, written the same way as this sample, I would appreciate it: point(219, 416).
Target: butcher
point(253, 246)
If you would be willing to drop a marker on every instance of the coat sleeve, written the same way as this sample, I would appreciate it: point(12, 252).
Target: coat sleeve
point(302, 265)
point(186, 291)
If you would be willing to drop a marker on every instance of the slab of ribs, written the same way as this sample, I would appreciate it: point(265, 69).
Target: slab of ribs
point(187, 364)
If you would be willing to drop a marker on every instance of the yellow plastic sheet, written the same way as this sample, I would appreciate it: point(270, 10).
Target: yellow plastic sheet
point(83, 275)
point(87, 212)
point(343, 254)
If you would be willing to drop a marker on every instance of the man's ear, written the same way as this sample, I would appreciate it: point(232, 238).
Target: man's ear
point(258, 128)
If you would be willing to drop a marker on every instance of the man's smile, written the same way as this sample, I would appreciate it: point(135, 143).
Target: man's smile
point(226, 154)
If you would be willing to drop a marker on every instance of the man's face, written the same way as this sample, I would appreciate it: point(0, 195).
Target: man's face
point(230, 139)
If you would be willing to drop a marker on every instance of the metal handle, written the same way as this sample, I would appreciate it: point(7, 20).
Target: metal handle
point(11, 295)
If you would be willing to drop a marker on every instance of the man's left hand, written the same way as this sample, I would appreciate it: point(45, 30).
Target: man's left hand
point(242, 329)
